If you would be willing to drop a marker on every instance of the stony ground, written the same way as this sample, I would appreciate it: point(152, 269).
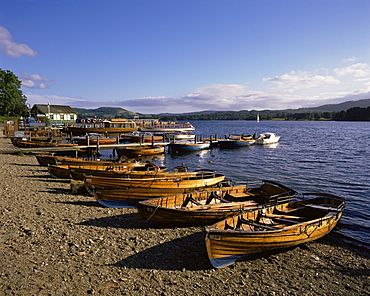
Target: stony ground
point(56, 243)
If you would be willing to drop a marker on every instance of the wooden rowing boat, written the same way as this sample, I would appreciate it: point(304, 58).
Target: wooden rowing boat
point(135, 151)
point(95, 141)
point(148, 171)
point(39, 144)
point(76, 170)
point(45, 160)
point(211, 204)
point(275, 227)
point(123, 192)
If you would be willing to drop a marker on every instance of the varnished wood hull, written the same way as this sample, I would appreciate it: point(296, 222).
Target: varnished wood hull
point(46, 160)
point(122, 192)
point(79, 173)
point(139, 151)
point(77, 170)
point(211, 204)
point(277, 227)
point(102, 141)
point(39, 144)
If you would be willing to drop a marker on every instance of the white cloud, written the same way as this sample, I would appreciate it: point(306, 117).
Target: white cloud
point(352, 59)
point(234, 97)
point(294, 81)
point(12, 49)
point(34, 77)
point(29, 81)
point(355, 70)
point(42, 86)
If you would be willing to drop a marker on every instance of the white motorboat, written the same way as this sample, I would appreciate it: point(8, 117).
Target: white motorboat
point(267, 138)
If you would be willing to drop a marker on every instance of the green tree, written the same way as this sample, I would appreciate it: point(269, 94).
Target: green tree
point(12, 100)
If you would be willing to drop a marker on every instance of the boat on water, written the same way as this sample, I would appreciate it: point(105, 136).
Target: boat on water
point(267, 138)
point(274, 227)
point(180, 135)
point(144, 137)
point(210, 205)
point(113, 127)
point(142, 150)
point(125, 192)
point(183, 146)
point(236, 141)
point(167, 127)
point(95, 140)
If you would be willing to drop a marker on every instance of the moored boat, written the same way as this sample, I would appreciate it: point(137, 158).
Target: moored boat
point(146, 137)
point(211, 204)
point(275, 227)
point(180, 135)
point(181, 146)
point(167, 127)
point(267, 138)
point(95, 141)
point(123, 192)
point(236, 141)
point(112, 127)
point(143, 150)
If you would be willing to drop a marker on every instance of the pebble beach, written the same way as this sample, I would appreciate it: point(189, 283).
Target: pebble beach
point(53, 242)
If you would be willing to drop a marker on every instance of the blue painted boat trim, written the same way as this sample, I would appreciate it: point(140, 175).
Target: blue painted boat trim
point(117, 203)
point(226, 261)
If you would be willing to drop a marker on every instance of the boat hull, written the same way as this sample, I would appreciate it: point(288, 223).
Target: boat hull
point(188, 146)
point(123, 190)
point(228, 143)
point(211, 204)
point(139, 151)
point(226, 242)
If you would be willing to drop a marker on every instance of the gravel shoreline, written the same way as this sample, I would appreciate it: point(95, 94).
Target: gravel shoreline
point(56, 243)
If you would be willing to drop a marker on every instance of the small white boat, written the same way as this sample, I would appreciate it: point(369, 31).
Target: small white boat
point(267, 138)
point(181, 135)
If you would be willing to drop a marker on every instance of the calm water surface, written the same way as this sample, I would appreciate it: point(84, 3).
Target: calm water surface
point(330, 157)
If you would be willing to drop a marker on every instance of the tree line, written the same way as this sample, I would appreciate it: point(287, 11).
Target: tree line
point(353, 114)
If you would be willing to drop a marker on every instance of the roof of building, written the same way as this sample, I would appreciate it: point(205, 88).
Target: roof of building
point(53, 109)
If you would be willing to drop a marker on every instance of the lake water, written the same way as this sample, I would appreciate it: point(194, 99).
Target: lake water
point(311, 156)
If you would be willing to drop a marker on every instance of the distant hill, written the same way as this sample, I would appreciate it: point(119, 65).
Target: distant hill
point(105, 112)
point(337, 107)
point(115, 112)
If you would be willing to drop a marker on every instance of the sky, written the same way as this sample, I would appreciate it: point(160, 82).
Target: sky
point(177, 56)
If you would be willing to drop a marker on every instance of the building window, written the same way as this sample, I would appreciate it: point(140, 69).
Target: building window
point(61, 116)
point(72, 117)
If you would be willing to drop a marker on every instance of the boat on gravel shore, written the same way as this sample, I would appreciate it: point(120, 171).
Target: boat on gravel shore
point(123, 192)
point(77, 170)
point(275, 227)
point(210, 205)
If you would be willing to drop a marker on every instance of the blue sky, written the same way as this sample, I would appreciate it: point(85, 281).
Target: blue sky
point(188, 55)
